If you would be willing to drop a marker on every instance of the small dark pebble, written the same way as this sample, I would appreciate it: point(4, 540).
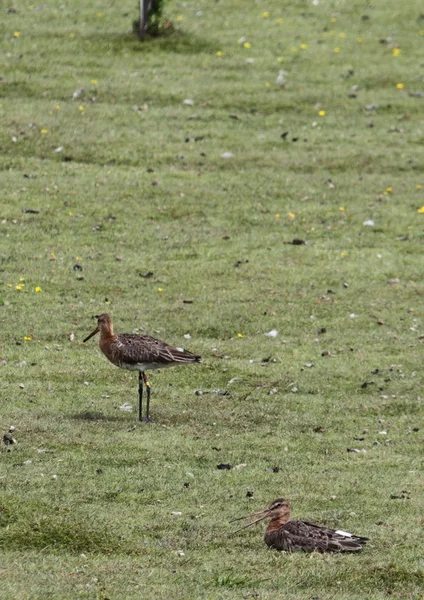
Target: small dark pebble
point(319, 429)
point(150, 170)
point(223, 467)
point(249, 494)
point(325, 353)
point(186, 485)
point(187, 301)
point(30, 211)
point(80, 278)
point(359, 439)
point(276, 469)
point(375, 372)
point(298, 242)
point(415, 429)
point(99, 471)
point(215, 448)
point(284, 134)
point(366, 384)
point(146, 275)
point(322, 330)
point(77, 267)
point(295, 139)
point(241, 262)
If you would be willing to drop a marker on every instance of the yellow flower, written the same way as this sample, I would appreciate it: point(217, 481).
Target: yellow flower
point(341, 208)
point(44, 131)
point(219, 53)
point(57, 107)
point(388, 190)
point(333, 20)
point(303, 46)
point(247, 45)
point(421, 210)
point(78, 258)
point(400, 86)
point(279, 21)
point(180, 19)
point(160, 289)
point(265, 15)
point(71, 36)
point(240, 335)
point(94, 81)
point(336, 50)
point(359, 39)
point(21, 279)
point(294, 49)
point(37, 289)
point(277, 215)
point(343, 254)
point(17, 34)
point(81, 107)
point(396, 51)
point(27, 338)
point(342, 35)
point(9, 285)
point(267, 84)
point(52, 256)
point(419, 186)
point(322, 113)
point(99, 15)
point(20, 287)
point(292, 215)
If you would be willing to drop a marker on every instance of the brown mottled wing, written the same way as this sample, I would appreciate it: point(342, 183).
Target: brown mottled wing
point(301, 535)
point(142, 349)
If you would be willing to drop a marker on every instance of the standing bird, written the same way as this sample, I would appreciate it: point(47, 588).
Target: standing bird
point(138, 353)
point(284, 534)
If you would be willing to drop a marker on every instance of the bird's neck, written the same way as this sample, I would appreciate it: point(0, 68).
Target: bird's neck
point(278, 521)
point(106, 332)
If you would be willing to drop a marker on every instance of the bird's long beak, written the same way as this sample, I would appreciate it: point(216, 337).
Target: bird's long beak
point(91, 334)
point(264, 514)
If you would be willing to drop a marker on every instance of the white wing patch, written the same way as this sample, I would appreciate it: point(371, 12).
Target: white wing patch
point(345, 533)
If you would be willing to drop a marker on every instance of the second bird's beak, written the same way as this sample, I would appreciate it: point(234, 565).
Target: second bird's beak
point(91, 334)
point(264, 514)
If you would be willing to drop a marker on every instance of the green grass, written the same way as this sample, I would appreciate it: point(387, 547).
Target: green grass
point(88, 495)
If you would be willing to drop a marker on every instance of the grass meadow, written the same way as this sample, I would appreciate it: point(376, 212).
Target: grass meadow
point(184, 159)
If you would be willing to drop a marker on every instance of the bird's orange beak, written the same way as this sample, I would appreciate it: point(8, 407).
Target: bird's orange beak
point(91, 334)
point(264, 514)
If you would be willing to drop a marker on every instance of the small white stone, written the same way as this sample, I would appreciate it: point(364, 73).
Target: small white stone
point(294, 390)
point(188, 102)
point(22, 386)
point(176, 513)
point(272, 333)
point(242, 40)
point(86, 383)
point(126, 407)
point(14, 139)
point(250, 61)
point(181, 553)
point(54, 476)
point(71, 337)
point(59, 149)
point(227, 155)
point(11, 428)
point(383, 432)
point(368, 223)
point(187, 336)
point(27, 462)
point(353, 316)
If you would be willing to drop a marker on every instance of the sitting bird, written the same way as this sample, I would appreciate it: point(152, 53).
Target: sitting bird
point(289, 535)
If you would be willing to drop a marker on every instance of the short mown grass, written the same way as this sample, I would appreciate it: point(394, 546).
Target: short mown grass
point(127, 179)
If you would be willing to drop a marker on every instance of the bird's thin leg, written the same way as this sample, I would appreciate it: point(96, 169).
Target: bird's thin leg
point(147, 384)
point(140, 395)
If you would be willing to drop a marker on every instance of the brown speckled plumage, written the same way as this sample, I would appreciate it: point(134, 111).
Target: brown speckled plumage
point(138, 353)
point(283, 534)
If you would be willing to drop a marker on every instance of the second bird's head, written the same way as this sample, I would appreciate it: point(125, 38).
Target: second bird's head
point(104, 323)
